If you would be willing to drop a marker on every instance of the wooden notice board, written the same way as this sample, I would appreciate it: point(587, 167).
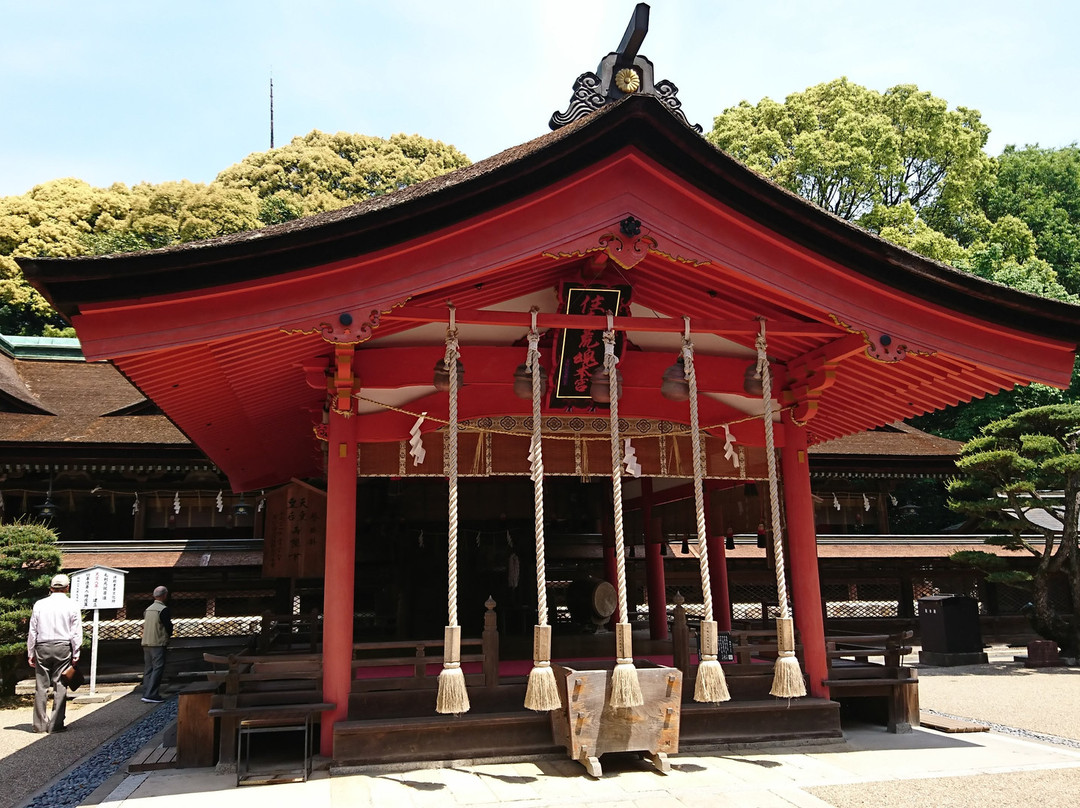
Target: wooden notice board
point(294, 544)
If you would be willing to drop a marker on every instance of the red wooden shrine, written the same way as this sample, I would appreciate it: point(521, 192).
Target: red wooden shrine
point(306, 349)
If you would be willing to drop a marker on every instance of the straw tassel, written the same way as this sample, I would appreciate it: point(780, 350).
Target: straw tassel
point(452, 698)
point(542, 693)
point(711, 685)
point(625, 688)
point(788, 681)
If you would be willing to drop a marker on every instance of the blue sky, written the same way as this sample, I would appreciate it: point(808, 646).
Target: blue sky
point(132, 91)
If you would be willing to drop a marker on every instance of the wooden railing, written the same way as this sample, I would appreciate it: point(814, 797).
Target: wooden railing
point(384, 657)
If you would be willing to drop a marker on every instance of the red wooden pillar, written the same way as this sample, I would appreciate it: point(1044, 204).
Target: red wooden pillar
point(655, 583)
point(802, 554)
point(718, 578)
point(340, 551)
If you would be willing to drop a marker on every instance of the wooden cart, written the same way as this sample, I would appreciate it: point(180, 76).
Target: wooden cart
point(589, 727)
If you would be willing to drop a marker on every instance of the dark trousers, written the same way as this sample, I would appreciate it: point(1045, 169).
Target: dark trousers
point(153, 667)
point(50, 659)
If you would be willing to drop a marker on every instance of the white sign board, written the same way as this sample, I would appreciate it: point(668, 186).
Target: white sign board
point(98, 588)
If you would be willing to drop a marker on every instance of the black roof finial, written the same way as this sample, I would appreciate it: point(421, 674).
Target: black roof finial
point(619, 74)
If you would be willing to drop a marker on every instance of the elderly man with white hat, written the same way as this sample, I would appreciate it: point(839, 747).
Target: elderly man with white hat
point(53, 643)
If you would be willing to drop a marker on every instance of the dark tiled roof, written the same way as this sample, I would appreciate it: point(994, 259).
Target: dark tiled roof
point(73, 399)
point(894, 440)
point(14, 397)
point(163, 559)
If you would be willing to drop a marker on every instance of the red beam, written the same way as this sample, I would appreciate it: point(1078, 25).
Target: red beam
point(661, 324)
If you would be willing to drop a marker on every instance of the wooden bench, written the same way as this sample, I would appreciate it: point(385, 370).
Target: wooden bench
point(852, 673)
point(262, 694)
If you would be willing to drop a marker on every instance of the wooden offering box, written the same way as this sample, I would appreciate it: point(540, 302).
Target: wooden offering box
point(588, 726)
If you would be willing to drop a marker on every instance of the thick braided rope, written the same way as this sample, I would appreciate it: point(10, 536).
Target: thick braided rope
point(699, 474)
point(533, 363)
point(610, 363)
point(452, 355)
point(770, 453)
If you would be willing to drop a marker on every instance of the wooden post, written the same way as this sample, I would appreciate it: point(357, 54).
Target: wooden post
point(228, 725)
point(802, 555)
point(340, 559)
point(194, 728)
point(680, 639)
point(490, 645)
point(718, 577)
point(655, 582)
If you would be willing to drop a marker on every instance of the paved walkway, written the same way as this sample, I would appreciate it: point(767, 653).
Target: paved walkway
point(1014, 766)
point(871, 767)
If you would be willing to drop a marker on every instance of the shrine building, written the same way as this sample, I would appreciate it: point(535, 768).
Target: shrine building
point(379, 360)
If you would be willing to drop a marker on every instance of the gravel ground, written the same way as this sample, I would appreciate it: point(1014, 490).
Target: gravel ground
point(30, 762)
point(1043, 700)
point(1038, 789)
point(1038, 704)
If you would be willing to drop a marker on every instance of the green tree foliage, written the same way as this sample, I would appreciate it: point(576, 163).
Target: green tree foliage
point(313, 173)
point(904, 166)
point(850, 149)
point(53, 219)
point(1018, 470)
point(29, 558)
point(1041, 188)
point(319, 172)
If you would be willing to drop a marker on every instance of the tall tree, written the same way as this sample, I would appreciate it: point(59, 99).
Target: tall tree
point(53, 219)
point(1041, 187)
point(1021, 470)
point(848, 148)
point(320, 171)
point(29, 558)
point(314, 173)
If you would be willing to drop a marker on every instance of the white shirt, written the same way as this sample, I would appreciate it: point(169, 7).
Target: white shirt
point(56, 619)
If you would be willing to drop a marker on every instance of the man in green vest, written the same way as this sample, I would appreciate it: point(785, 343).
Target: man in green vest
point(157, 628)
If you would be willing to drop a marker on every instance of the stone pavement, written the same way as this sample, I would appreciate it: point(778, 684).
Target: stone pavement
point(871, 767)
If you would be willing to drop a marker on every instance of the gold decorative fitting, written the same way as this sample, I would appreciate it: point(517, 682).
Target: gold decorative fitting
point(628, 80)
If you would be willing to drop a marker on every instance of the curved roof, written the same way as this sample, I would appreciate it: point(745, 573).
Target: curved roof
point(224, 334)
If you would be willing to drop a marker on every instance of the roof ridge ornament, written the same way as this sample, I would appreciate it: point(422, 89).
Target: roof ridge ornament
point(620, 74)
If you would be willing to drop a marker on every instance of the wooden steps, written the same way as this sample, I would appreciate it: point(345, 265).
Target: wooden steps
point(768, 719)
point(442, 737)
point(523, 732)
point(152, 758)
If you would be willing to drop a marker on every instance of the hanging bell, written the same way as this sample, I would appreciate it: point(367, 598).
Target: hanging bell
point(441, 378)
point(523, 381)
point(752, 381)
point(674, 386)
point(729, 539)
point(600, 385)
